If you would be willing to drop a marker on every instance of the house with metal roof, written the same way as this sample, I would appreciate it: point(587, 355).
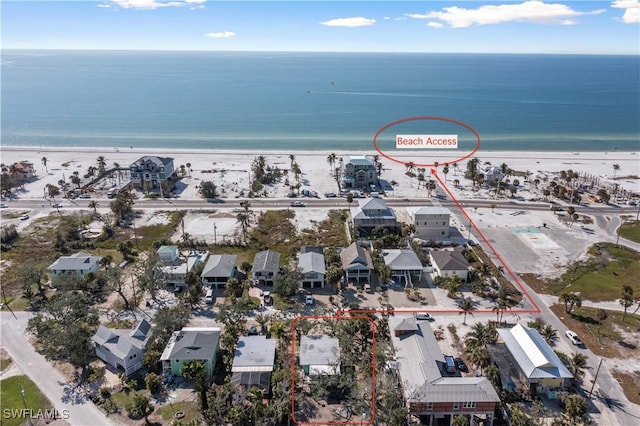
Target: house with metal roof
point(191, 344)
point(78, 264)
point(358, 171)
point(525, 358)
point(356, 263)
point(313, 269)
point(122, 348)
point(150, 171)
point(404, 265)
point(266, 265)
point(372, 215)
point(319, 355)
point(431, 222)
point(253, 362)
point(168, 254)
point(219, 269)
point(450, 262)
point(175, 273)
point(431, 393)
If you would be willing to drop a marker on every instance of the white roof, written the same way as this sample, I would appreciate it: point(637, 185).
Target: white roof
point(312, 262)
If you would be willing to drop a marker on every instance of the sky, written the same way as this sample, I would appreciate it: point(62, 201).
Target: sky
point(471, 26)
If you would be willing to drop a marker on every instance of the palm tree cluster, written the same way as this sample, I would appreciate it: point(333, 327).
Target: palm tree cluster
point(476, 342)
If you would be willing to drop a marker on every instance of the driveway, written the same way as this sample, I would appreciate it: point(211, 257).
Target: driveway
point(60, 392)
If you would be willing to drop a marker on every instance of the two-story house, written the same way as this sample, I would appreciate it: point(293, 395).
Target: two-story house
point(151, 171)
point(356, 263)
point(372, 215)
point(266, 265)
point(191, 344)
point(122, 348)
point(313, 269)
point(447, 263)
point(220, 268)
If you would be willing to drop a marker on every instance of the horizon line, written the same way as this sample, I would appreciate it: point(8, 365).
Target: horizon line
point(2, 49)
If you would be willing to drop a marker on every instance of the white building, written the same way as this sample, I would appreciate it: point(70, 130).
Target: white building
point(78, 264)
point(432, 223)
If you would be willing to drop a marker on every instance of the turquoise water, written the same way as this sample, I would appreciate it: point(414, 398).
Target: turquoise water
point(317, 101)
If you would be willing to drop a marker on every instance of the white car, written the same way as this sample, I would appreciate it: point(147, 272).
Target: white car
point(297, 204)
point(573, 337)
point(3, 206)
point(24, 217)
point(308, 300)
point(424, 317)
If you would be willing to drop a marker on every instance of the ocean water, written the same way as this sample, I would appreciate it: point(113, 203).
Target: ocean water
point(317, 101)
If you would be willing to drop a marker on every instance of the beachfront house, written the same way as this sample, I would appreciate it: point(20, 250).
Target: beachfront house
point(319, 355)
point(266, 264)
point(431, 222)
point(526, 360)
point(168, 254)
point(151, 171)
point(431, 393)
point(356, 263)
point(492, 173)
point(122, 348)
point(313, 269)
point(371, 216)
point(78, 264)
point(191, 344)
point(253, 362)
point(220, 268)
point(404, 264)
point(358, 172)
point(447, 263)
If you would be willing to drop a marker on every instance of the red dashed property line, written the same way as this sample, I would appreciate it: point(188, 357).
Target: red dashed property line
point(493, 250)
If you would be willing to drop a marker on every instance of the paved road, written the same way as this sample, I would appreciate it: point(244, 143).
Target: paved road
point(82, 412)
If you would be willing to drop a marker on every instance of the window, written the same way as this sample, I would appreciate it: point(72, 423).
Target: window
point(456, 405)
point(429, 406)
point(469, 405)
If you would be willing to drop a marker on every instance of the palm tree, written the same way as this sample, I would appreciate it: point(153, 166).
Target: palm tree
point(183, 170)
point(445, 170)
point(576, 363)
point(350, 199)
point(549, 333)
point(331, 159)
point(466, 306)
point(189, 168)
point(571, 211)
point(411, 166)
point(456, 182)
point(44, 163)
point(292, 158)
point(93, 204)
point(244, 220)
point(478, 356)
point(480, 335)
point(102, 163)
point(75, 180)
point(262, 320)
point(616, 167)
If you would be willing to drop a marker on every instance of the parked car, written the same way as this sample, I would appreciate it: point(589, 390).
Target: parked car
point(177, 289)
point(308, 300)
point(84, 195)
point(266, 297)
point(252, 331)
point(56, 205)
point(209, 297)
point(573, 337)
point(330, 194)
point(297, 204)
point(424, 317)
point(3, 206)
point(450, 364)
point(460, 365)
point(24, 217)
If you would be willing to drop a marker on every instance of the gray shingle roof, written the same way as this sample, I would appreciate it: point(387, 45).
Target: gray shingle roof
point(534, 356)
point(449, 260)
point(319, 350)
point(266, 260)
point(355, 256)
point(160, 161)
point(122, 342)
point(194, 343)
point(219, 265)
point(417, 354)
point(75, 262)
point(401, 260)
point(312, 262)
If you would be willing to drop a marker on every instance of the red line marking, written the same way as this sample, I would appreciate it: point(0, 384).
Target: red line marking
point(493, 250)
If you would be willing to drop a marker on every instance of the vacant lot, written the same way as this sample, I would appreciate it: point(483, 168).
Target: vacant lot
point(12, 398)
point(630, 231)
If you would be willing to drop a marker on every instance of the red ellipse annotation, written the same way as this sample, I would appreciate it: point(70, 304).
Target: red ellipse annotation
point(418, 118)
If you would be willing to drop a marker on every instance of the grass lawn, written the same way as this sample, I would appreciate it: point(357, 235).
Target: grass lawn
point(630, 231)
point(189, 408)
point(12, 399)
point(630, 384)
point(602, 276)
point(608, 342)
point(4, 363)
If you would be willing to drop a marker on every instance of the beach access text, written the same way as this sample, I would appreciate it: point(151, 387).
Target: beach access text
point(426, 141)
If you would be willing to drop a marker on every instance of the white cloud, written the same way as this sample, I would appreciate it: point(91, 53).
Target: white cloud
point(152, 4)
point(223, 34)
point(534, 11)
point(631, 10)
point(349, 22)
point(433, 24)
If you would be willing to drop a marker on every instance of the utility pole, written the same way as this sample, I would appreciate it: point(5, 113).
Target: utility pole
point(595, 378)
point(215, 239)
